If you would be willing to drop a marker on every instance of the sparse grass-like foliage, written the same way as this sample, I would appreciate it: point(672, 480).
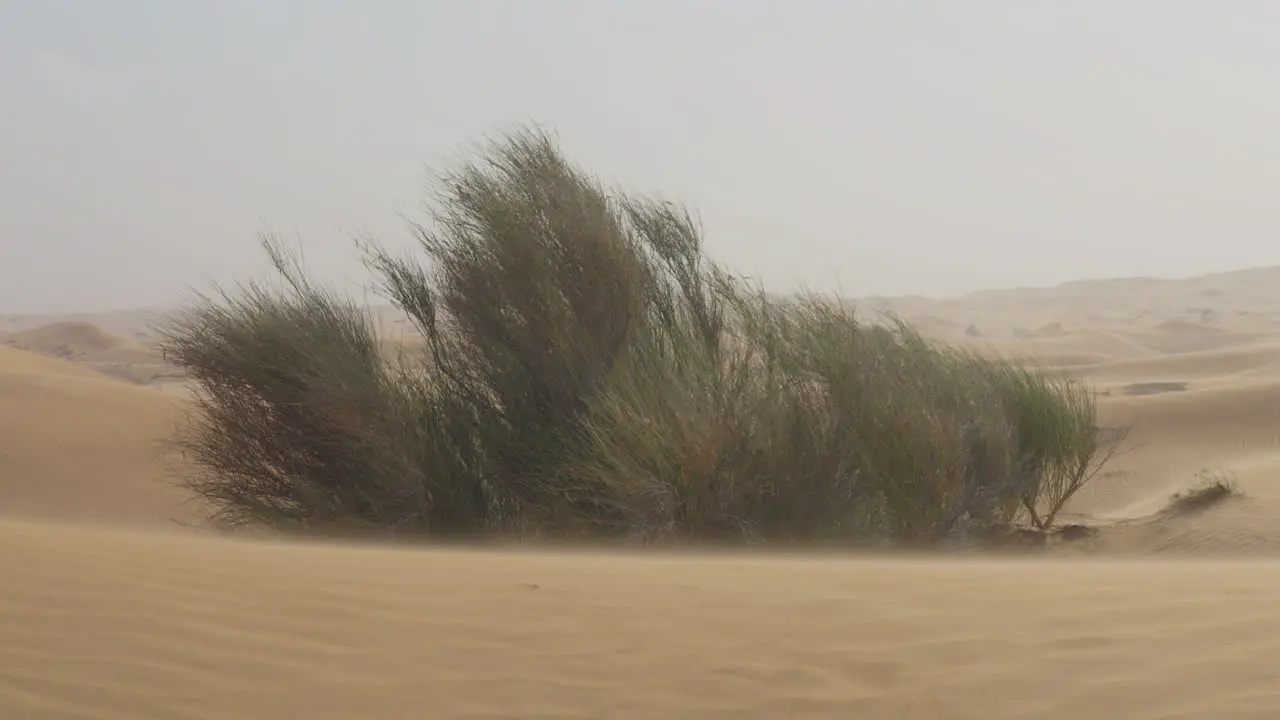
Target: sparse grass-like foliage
point(591, 373)
point(1209, 488)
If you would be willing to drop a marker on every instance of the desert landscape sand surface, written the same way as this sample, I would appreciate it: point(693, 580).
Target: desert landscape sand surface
point(115, 607)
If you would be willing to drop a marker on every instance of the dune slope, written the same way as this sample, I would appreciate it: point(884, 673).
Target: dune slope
point(77, 444)
point(110, 623)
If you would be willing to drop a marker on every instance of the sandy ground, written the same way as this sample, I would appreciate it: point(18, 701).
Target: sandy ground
point(112, 609)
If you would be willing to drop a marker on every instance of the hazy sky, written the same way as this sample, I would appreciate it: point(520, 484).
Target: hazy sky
point(878, 147)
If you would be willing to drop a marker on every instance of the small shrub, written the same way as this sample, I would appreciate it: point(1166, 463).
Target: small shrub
point(1209, 488)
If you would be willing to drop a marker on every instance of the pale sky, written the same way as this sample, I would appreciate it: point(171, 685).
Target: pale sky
point(876, 147)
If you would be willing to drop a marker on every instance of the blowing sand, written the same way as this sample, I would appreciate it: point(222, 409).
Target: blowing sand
point(126, 624)
point(111, 610)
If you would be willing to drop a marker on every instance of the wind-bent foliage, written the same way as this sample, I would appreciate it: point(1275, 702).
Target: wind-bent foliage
point(589, 372)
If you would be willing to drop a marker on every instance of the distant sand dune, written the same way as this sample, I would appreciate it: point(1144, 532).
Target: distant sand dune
point(1154, 387)
point(1181, 336)
point(1255, 359)
point(1086, 346)
point(90, 346)
point(131, 324)
point(76, 444)
point(70, 338)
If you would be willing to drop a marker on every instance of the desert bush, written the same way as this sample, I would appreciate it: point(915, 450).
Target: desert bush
point(299, 424)
point(1061, 446)
point(541, 284)
point(725, 435)
point(590, 372)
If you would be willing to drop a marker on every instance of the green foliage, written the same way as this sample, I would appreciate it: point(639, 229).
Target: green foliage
point(591, 373)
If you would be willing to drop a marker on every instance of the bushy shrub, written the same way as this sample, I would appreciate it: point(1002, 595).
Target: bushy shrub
point(299, 422)
point(591, 373)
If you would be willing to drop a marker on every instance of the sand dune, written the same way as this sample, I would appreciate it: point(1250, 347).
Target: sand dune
point(1241, 302)
point(1081, 346)
point(1212, 410)
point(77, 444)
point(1261, 359)
point(133, 625)
point(1179, 336)
point(131, 324)
point(90, 346)
point(69, 339)
point(112, 612)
